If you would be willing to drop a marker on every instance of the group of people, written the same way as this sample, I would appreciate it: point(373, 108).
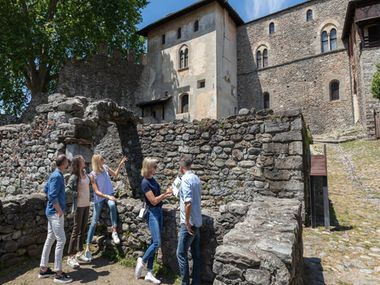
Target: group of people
point(103, 193)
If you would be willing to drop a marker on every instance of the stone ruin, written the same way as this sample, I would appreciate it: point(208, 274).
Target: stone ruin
point(254, 169)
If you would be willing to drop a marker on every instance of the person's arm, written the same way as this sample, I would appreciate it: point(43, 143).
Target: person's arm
point(188, 199)
point(121, 163)
point(155, 200)
point(97, 191)
point(53, 194)
point(72, 186)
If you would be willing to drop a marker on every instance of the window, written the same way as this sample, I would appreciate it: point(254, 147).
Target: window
point(163, 38)
point(374, 35)
point(183, 57)
point(196, 26)
point(179, 33)
point(265, 58)
point(201, 83)
point(309, 15)
point(258, 59)
point(333, 39)
point(271, 28)
point(329, 39)
point(266, 100)
point(325, 41)
point(184, 100)
point(334, 90)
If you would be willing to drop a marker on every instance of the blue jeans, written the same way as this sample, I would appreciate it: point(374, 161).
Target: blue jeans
point(185, 240)
point(154, 219)
point(96, 214)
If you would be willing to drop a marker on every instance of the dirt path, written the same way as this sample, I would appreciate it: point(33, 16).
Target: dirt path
point(351, 253)
point(100, 271)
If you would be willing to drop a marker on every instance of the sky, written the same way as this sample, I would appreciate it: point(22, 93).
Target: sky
point(247, 9)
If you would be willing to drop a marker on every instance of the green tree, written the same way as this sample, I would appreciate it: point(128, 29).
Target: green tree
point(38, 36)
point(376, 83)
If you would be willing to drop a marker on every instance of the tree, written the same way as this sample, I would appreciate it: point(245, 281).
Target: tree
point(376, 83)
point(38, 36)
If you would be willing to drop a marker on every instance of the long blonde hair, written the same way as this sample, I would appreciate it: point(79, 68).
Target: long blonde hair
point(97, 163)
point(147, 165)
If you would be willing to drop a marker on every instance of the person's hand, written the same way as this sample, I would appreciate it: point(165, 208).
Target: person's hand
point(123, 160)
point(189, 229)
point(169, 192)
point(60, 213)
point(112, 198)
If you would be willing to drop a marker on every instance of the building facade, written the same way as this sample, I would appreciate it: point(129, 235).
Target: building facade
point(205, 62)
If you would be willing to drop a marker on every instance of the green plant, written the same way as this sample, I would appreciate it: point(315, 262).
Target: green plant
point(38, 37)
point(375, 88)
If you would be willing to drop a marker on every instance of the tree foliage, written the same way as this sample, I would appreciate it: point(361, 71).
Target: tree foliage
point(38, 36)
point(376, 83)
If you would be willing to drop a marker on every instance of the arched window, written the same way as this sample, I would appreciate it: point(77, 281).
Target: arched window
point(184, 103)
point(196, 26)
point(325, 41)
point(183, 57)
point(333, 44)
point(266, 100)
point(258, 59)
point(265, 58)
point(179, 33)
point(271, 28)
point(309, 15)
point(334, 90)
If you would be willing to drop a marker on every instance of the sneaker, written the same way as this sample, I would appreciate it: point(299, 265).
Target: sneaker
point(83, 258)
point(115, 237)
point(72, 262)
point(63, 278)
point(88, 255)
point(139, 268)
point(150, 278)
point(46, 274)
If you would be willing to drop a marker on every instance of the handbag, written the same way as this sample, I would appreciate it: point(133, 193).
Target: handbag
point(143, 211)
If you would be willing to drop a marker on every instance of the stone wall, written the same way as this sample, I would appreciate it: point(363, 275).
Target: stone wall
point(255, 157)
point(23, 228)
point(298, 74)
point(369, 58)
point(64, 125)
point(101, 77)
point(265, 248)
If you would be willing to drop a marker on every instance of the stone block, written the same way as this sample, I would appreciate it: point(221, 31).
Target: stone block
point(76, 149)
point(275, 127)
point(289, 162)
point(257, 277)
point(287, 137)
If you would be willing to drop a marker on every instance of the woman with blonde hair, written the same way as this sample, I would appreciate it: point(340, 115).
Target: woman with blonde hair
point(153, 199)
point(103, 193)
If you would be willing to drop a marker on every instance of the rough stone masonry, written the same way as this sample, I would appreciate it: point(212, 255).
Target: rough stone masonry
point(253, 167)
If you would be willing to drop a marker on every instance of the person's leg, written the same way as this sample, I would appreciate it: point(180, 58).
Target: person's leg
point(154, 227)
point(84, 222)
point(74, 234)
point(113, 213)
point(196, 255)
point(50, 239)
point(95, 217)
point(58, 226)
point(184, 241)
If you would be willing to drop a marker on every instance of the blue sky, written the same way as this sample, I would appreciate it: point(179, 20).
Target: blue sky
point(247, 9)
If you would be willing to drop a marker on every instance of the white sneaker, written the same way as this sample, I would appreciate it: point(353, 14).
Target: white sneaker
point(72, 262)
point(88, 255)
point(115, 237)
point(150, 278)
point(139, 268)
point(82, 258)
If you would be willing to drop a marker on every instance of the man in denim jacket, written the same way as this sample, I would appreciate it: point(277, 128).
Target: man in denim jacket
point(55, 191)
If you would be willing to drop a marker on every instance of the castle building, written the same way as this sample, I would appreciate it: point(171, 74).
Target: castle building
point(319, 56)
